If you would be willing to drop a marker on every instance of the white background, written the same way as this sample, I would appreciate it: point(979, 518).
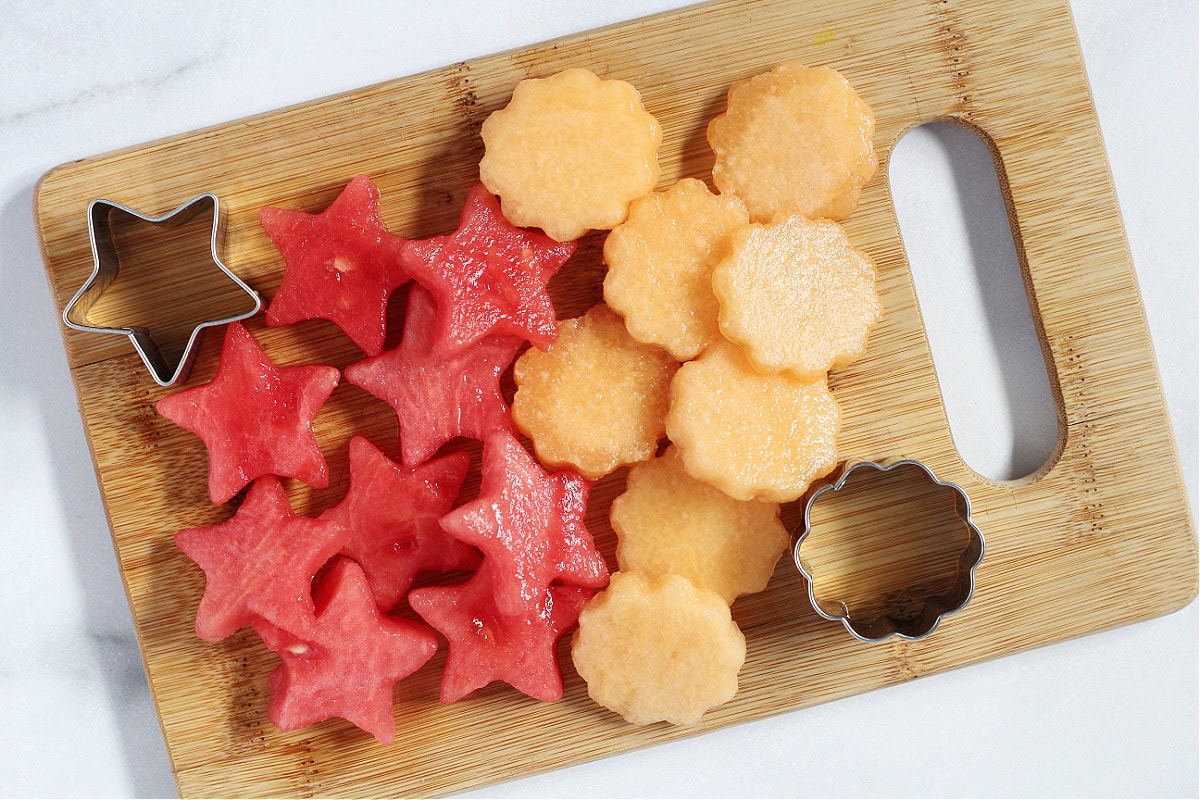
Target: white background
point(1113, 714)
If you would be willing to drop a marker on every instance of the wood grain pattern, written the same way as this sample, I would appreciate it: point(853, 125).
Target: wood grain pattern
point(1100, 536)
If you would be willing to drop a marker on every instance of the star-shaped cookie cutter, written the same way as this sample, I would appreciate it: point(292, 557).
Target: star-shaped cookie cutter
point(106, 266)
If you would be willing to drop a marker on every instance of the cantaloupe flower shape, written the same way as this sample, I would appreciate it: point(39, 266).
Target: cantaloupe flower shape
point(570, 152)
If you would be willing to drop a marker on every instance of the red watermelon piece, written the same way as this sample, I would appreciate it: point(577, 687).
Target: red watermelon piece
point(438, 392)
point(260, 563)
point(489, 277)
point(529, 525)
point(347, 667)
point(340, 265)
point(254, 417)
point(392, 513)
point(486, 645)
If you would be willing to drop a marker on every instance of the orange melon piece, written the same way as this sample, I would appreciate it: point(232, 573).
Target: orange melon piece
point(596, 398)
point(796, 296)
point(794, 139)
point(660, 265)
point(667, 522)
point(750, 434)
point(658, 649)
point(569, 152)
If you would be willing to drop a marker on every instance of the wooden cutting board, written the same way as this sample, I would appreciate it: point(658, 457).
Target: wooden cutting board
point(1099, 537)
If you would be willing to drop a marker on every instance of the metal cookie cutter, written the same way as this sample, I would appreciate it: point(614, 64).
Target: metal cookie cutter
point(894, 559)
point(106, 266)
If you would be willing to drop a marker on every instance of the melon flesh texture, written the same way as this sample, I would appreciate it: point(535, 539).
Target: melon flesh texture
point(751, 435)
point(660, 264)
point(796, 139)
point(797, 296)
point(350, 662)
point(438, 391)
point(393, 514)
point(254, 417)
point(529, 525)
point(658, 649)
point(486, 645)
point(488, 278)
point(260, 563)
point(570, 151)
point(596, 399)
point(669, 523)
point(341, 264)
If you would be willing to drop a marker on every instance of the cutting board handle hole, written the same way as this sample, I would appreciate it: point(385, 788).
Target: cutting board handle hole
point(977, 312)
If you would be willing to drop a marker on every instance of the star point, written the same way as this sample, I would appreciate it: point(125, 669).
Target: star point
point(438, 393)
point(486, 645)
point(529, 525)
point(259, 563)
point(254, 417)
point(342, 264)
point(489, 275)
point(349, 663)
point(393, 514)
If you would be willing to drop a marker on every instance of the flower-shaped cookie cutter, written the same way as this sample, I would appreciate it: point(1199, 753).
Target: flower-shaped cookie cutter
point(106, 265)
point(916, 620)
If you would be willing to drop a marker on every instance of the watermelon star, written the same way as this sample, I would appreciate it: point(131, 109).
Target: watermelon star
point(259, 563)
point(341, 265)
point(530, 525)
point(255, 418)
point(489, 277)
point(486, 645)
point(350, 663)
point(438, 393)
point(392, 513)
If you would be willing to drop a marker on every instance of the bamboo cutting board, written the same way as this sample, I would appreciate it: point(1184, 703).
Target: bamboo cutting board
point(1099, 537)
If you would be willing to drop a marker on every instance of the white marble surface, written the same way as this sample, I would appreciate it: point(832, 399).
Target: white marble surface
point(1113, 714)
